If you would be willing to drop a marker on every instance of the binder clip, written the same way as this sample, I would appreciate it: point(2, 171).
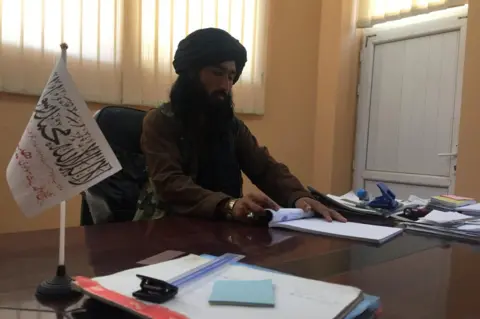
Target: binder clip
point(155, 290)
point(384, 201)
point(416, 213)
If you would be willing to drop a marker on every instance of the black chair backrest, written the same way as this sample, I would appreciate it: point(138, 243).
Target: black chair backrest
point(122, 128)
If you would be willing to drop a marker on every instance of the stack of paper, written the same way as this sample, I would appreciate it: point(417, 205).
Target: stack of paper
point(447, 224)
point(450, 202)
point(472, 210)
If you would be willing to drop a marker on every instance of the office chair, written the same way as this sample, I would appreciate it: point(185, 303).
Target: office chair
point(115, 198)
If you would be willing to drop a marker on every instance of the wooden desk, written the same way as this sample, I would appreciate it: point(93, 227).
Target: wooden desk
point(415, 277)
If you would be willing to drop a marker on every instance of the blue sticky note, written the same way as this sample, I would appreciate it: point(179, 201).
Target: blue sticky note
point(258, 293)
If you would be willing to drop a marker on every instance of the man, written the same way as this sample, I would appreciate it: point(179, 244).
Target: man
point(196, 149)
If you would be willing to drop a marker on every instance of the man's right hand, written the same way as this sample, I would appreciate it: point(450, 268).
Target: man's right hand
point(253, 203)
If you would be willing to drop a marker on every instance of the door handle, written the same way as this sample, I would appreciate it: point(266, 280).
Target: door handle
point(448, 154)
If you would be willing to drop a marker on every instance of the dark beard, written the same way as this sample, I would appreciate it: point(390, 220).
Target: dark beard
point(193, 105)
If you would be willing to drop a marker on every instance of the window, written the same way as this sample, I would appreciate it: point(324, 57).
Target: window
point(371, 12)
point(121, 51)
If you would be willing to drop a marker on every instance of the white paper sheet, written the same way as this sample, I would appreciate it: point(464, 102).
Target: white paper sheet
point(350, 230)
point(473, 209)
point(295, 297)
point(285, 214)
point(62, 151)
point(346, 199)
point(470, 228)
point(439, 217)
point(351, 196)
point(415, 200)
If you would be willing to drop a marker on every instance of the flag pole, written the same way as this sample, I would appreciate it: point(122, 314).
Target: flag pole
point(61, 246)
point(63, 205)
point(58, 289)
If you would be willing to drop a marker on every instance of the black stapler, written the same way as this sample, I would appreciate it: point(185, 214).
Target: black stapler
point(155, 290)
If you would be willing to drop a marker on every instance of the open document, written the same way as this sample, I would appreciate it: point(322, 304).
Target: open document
point(296, 219)
point(295, 297)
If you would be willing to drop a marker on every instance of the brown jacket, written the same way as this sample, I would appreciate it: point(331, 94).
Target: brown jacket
point(160, 140)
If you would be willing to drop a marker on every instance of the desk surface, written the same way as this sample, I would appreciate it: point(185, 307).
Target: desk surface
point(415, 276)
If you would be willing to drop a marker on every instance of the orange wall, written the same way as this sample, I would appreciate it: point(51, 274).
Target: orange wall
point(310, 103)
point(468, 169)
point(335, 117)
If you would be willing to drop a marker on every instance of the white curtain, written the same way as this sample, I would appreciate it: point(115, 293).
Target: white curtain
point(121, 51)
point(371, 12)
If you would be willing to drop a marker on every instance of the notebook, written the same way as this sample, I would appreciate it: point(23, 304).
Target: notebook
point(350, 230)
point(452, 201)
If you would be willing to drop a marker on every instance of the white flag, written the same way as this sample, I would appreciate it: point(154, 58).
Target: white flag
point(62, 151)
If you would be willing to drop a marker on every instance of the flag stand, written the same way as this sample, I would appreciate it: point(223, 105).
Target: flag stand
point(58, 289)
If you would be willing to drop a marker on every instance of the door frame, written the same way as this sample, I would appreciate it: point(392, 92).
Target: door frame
point(375, 36)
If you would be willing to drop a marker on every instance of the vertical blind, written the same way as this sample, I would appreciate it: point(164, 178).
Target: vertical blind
point(30, 35)
point(371, 12)
point(121, 51)
point(156, 27)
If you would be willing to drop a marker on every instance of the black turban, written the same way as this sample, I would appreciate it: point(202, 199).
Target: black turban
point(209, 46)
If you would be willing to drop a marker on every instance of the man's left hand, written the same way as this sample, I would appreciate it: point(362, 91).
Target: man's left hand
point(309, 204)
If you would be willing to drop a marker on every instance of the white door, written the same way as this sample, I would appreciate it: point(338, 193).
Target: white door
point(408, 108)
